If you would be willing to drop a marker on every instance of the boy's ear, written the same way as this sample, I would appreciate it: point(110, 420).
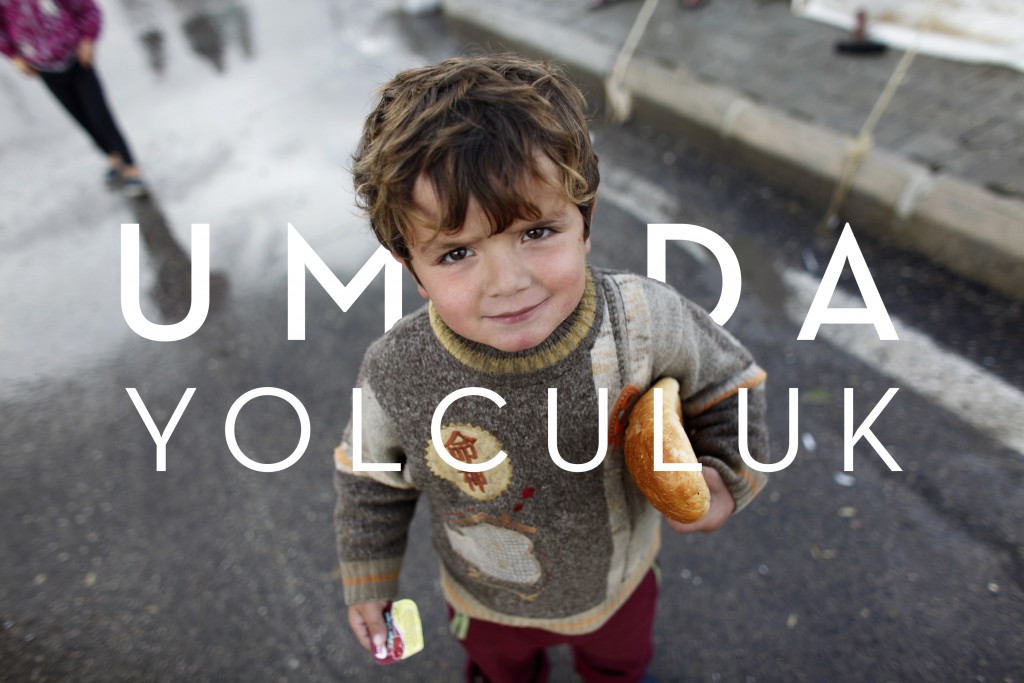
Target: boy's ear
point(590, 223)
point(408, 268)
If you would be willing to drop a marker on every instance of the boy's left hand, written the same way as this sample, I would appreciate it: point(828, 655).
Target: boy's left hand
point(722, 505)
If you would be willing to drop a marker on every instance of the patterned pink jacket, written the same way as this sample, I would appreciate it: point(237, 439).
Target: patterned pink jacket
point(45, 33)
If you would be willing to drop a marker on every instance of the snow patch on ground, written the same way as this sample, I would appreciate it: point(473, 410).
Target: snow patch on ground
point(980, 31)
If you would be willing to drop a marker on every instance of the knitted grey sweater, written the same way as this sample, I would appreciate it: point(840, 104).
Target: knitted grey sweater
point(529, 543)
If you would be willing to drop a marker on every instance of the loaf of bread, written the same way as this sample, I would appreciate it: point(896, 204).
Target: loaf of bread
point(680, 496)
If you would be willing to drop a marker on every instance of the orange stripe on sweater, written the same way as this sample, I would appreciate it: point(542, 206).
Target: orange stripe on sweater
point(754, 486)
point(749, 384)
point(358, 580)
point(573, 626)
point(342, 457)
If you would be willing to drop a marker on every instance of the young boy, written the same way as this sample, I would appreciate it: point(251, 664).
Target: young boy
point(478, 175)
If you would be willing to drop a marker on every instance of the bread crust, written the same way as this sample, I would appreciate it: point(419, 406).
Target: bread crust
point(680, 496)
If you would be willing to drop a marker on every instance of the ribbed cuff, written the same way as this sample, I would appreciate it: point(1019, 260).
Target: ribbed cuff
point(370, 580)
point(743, 485)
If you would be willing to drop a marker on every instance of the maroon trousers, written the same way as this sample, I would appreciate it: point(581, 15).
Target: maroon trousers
point(618, 651)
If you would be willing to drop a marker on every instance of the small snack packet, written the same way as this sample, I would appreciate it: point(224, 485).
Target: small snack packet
point(405, 632)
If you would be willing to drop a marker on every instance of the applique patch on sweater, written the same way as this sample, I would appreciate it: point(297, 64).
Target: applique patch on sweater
point(471, 445)
point(498, 551)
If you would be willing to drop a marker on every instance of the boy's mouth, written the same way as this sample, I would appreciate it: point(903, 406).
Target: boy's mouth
point(516, 316)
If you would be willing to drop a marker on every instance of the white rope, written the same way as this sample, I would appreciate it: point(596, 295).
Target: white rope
point(620, 101)
point(864, 141)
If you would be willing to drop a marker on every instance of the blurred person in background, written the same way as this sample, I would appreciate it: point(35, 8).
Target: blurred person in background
point(55, 39)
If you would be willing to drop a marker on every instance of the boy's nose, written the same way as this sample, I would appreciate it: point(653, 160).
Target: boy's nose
point(506, 275)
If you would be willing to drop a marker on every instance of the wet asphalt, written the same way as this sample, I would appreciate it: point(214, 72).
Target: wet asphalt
point(209, 571)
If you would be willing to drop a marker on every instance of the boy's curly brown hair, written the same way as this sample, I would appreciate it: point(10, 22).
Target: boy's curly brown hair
point(475, 127)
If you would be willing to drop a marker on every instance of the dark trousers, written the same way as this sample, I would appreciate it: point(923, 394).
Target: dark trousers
point(79, 90)
point(618, 651)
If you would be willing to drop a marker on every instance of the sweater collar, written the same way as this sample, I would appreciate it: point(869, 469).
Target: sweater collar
point(567, 338)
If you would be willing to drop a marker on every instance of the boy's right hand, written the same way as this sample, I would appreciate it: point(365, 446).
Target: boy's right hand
point(366, 619)
point(24, 67)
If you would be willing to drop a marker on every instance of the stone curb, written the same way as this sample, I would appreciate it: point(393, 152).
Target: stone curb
point(966, 228)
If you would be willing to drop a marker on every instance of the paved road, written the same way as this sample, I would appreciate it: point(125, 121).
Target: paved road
point(111, 571)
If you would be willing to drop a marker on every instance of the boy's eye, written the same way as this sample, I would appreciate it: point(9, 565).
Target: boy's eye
point(537, 233)
point(455, 255)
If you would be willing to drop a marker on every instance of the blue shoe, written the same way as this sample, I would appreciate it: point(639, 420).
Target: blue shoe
point(112, 179)
point(134, 188)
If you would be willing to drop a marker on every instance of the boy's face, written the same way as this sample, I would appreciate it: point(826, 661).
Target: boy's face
point(509, 290)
